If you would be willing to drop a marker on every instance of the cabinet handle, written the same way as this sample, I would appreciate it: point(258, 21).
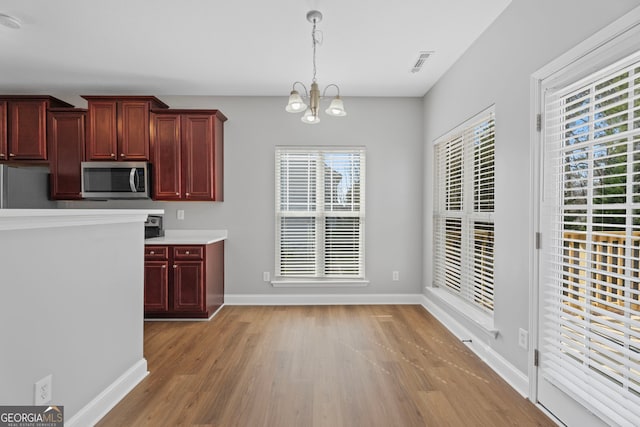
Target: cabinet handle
point(122, 155)
point(11, 155)
point(1, 155)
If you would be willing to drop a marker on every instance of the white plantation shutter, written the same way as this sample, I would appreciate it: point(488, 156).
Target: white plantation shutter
point(320, 213)
point(296, 175)
point(463, 211)
point(591, 252)
point(452, 155)
point(482, 253)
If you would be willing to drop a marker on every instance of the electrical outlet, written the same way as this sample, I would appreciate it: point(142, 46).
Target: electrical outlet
point(523, 338)
point(180, 214)
point(42, 392)
point(395, 276)
point(266, 276)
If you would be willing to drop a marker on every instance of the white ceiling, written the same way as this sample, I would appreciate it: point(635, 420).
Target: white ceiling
point(233, 47)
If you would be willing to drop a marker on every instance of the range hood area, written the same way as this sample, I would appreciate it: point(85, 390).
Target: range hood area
point(25, 187)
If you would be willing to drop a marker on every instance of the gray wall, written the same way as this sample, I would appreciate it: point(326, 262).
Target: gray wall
point(497, 69)
point(70, 306)
point(391, 130)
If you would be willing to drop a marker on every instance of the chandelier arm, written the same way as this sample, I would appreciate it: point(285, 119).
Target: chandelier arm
point(324, 92)
point(306, 92)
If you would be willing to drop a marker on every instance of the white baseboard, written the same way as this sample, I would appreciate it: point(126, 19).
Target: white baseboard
point(92, 412)
point(321, 299)
point(499, 364)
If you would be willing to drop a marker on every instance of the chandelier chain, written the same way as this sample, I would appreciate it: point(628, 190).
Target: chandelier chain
point(315, 42)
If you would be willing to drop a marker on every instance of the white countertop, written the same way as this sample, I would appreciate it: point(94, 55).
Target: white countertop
point(188, 237)
point(23, 219)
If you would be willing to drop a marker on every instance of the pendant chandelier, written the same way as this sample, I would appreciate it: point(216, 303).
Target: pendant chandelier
point(296, 101)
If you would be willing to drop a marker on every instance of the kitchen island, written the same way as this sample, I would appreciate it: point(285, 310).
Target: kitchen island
point(71, 306)
point(184, 274)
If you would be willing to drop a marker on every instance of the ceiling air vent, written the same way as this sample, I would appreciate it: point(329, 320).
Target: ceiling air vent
point(422, 57)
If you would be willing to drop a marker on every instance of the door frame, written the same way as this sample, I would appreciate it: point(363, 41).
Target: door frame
point(614, 41)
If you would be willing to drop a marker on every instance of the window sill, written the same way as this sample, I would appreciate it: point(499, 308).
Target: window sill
point(483, 320)
point(320, 283)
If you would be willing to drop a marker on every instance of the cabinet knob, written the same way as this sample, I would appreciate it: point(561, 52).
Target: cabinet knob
point(121, 154)
point(188, 194)
point(152, 252)
point(11, 155)
point(113, 155)
point(187, 252)
point(175, 266)
point(164, 266)
point(177, 194)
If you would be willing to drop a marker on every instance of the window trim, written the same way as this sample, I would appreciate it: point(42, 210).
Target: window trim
point(322, 282)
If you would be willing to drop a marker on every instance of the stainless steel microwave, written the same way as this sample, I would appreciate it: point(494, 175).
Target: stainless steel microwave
point(116, 180)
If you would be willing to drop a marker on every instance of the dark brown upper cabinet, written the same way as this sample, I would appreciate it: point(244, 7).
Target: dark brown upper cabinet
point(4, 150)
point(23, 126)
point(66, 136)
point(187, 148)
point(118, 127)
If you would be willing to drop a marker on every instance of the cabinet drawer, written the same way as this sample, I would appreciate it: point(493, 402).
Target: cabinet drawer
point(187, 252)
point(156, 252)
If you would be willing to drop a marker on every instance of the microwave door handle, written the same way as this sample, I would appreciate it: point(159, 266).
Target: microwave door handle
point(132, 180)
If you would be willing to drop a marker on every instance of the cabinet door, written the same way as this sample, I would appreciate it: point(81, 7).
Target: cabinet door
point(102, 130)
point(188, 286)
point(4, 154)
point(197, 160)
point(66, 152)
point(165, 141)
point(156, 286)
point(28, 135)
point(133, 119)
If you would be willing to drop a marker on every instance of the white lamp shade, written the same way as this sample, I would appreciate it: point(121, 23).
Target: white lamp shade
point(296, 104)
point(309, 118)
point(336, 108)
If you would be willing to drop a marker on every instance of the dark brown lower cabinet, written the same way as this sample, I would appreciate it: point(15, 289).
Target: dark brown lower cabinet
point(183, 281)
point(156, 286)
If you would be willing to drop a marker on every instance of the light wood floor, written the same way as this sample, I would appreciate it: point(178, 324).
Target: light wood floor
point(317, 366)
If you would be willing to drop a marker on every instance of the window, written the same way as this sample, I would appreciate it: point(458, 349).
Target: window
point(463, 211)
point(591, 208)
point(320, 213)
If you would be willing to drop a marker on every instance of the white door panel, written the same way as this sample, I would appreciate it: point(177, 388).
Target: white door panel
point(588, 277)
